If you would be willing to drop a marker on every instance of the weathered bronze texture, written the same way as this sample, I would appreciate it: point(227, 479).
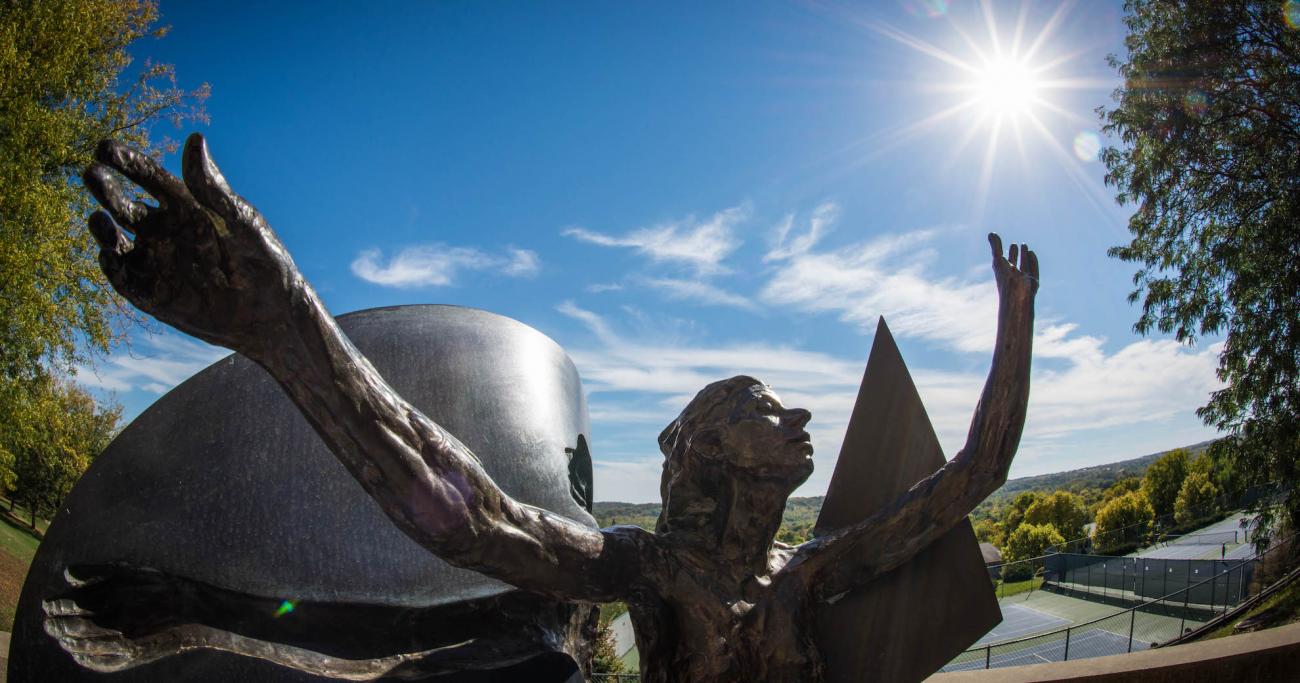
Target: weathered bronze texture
point(713, 597)
point(908, 623)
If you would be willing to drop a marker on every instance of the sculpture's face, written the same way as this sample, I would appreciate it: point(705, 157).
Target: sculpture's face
point(763, 437)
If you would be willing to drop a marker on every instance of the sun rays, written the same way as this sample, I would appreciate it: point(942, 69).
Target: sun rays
point(1002, 82)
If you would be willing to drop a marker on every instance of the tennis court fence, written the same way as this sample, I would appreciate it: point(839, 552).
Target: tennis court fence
point(1196, 599)
point(1134, 579)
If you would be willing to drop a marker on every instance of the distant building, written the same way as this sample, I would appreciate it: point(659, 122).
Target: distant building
point(992, 559)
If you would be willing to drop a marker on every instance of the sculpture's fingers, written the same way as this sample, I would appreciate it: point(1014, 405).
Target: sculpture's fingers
point(143, 171)
point(207, 184)
point(104, 663)
point(101, 183)
point(1024, 256)
point(995, 243)
point(114, 646)
point(77, 627)
point(109, 237)
point(1032, 267)
point(64, 608)
point(1014, 254)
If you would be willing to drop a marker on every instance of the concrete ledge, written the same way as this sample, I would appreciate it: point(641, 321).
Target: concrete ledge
point(1270, 655)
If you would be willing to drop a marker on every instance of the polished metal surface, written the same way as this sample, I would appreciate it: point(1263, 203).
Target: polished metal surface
point(223, 481)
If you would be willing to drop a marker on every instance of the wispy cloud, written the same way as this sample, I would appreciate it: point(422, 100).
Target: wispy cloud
point(155, 364)
point(601, 287)
point(700, 292)
point(523, 263)
point(888, 275)
point(700, 245)
point(637, 386)
point(819, 223)
point(436, 265)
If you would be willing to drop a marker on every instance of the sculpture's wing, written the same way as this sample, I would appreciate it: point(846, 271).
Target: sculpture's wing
point(907, 624)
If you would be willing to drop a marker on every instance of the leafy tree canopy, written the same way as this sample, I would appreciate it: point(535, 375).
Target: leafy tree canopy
point(1198, 498)
point(1027, 542)
point(56, 432)
point(1062, 510)
point(1208, 153)
point(1123, 522)
point(1120, 488)
point(1163, 480)
point(60, 62)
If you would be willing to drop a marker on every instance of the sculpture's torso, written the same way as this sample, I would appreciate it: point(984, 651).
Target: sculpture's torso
point(692, 626)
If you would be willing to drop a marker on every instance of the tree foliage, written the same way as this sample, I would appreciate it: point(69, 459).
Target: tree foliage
point(1163, 480)
point(60, 93)
point(1120, 488)
point(1122, 523)
point(1208, 130)
point(1014, 513)
point(604, 654)
point(1197, 499)
point(1027, 542)
point(1062, 510)
point(58, 430)
point(60, 62)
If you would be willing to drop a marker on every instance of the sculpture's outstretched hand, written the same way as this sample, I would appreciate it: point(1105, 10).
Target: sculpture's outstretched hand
point(117, 617)
point(203, 260)
point(1016, 273)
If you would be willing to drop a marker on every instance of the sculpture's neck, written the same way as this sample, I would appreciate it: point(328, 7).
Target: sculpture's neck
point(738, 538)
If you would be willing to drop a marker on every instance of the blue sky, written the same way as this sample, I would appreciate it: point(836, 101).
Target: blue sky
point(679, 193)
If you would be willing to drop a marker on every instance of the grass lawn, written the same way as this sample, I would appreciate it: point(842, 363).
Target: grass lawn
point(1010, 588)
point(17, 548)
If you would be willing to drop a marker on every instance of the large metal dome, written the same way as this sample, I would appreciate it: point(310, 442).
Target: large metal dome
point(223, 481)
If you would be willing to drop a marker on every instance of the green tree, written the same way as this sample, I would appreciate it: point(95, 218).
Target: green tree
point(1197, 499)
point(61, 430)
point(989, 531)
point(1163, 480)
point(604, 653)
point(1120, 488)
point(60, 62)
point(1208, 131)
point(1062, 510)
point(1028, 541)
point(1014, 513)
point(1122, 523)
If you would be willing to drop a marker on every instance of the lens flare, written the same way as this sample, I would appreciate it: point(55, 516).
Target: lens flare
point(285, 608)
point(1087, 145)
point(1291, 13)
point(930, 8)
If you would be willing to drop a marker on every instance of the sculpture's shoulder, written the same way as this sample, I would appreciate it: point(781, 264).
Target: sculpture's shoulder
point(630, 535)
point(649, 551)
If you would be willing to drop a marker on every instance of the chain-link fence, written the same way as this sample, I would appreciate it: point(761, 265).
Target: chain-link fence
point(1133, 579)
point(1201, 590)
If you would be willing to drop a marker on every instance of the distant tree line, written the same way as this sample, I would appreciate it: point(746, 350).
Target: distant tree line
point(1178, 492)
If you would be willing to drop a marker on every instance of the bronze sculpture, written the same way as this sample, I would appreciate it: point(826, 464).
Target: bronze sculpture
point(713, 597)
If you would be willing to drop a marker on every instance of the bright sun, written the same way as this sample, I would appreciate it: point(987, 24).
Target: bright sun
point(1006, 87)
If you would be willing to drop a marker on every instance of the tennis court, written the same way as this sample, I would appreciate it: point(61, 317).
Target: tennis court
point(1019, 621)
point(1092, 642)
point(1225, 539)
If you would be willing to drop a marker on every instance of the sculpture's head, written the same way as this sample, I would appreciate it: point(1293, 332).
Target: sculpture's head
point(733, 429)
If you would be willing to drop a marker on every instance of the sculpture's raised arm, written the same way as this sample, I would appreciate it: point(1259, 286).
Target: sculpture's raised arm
point(206, 262)
point(854, 555)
